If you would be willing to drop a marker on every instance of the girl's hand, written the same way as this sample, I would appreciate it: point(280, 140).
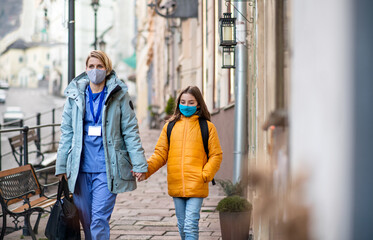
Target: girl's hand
point(139, 176)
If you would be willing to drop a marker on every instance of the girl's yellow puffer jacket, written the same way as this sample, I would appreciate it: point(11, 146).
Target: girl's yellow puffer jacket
point(188, 171)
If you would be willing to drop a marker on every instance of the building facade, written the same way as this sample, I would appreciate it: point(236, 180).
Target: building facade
point(177, 52)
point(306, 114)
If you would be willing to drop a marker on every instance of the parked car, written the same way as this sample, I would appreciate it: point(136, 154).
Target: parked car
point(4, 84)
point(13, 116)
point(2, 96)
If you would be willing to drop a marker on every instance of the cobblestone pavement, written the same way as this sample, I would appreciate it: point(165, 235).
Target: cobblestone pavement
point(148, 212)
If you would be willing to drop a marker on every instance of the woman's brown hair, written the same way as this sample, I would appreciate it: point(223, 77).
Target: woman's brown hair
point(103, 57)
point(202, 110)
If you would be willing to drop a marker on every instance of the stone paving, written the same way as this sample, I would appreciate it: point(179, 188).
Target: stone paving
point(148, 212)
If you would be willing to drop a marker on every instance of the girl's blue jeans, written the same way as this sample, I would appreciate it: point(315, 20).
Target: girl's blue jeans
point(188, 214)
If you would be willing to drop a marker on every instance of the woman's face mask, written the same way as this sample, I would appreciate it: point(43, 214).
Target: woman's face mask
point(96, 76)
point(96, 70)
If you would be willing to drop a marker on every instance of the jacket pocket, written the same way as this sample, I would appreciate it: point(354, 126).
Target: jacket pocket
point(124, 165)
point(204, 179)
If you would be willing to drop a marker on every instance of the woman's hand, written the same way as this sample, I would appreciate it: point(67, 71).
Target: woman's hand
point(62, 175)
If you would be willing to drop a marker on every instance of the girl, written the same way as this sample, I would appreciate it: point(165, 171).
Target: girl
point(189, 170)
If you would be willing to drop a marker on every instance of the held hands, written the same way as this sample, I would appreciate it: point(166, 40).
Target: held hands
point(139, 176)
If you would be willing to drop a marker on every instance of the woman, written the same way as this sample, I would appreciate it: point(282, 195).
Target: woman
point(100, 150)
point(189, 169)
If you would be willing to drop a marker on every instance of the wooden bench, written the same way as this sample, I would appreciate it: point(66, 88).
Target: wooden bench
point(21, 195)
point(40, 159)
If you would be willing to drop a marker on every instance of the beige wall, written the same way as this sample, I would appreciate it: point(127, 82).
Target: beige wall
point(161, 62)
point(190, 61)
point(178, 59)
point(38, 58)
point(144, 41)
point(25, 73)
point(10, 62)
point(270, 153)
point(324, 134)
point(224, 122)
point(265, 103)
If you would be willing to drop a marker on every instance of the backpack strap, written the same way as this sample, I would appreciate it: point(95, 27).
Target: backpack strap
point(205, 134)
point(170, 126)
point(205, 138)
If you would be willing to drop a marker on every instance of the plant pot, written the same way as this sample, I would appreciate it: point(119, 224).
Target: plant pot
point(235, 225)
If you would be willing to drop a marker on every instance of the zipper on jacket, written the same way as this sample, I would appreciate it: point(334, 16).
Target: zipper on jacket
point(183, 155)
point(107, 162)
point(115, 90)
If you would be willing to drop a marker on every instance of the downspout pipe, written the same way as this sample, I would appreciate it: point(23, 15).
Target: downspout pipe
point(71, 42)
point(240, 112)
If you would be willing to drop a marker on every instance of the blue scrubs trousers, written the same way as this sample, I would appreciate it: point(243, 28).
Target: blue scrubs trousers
point(95, 204)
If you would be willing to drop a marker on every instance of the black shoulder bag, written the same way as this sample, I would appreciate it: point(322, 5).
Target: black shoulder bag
point(63, 222)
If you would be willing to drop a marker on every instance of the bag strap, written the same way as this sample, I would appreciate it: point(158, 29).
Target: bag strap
point(63, 187)
point(59, 191)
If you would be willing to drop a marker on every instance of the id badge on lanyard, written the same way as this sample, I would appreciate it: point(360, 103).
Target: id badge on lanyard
point(95, 130)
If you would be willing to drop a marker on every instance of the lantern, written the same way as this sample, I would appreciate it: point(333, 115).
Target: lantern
point(228, 57)
point(95, 4)
point(227, 30)
point(102, 45)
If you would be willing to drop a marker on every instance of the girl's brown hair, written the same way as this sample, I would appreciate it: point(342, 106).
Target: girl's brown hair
point(202, 110)
point(103, 57)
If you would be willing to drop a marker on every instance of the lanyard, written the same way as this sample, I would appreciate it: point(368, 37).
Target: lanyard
point(95, 118)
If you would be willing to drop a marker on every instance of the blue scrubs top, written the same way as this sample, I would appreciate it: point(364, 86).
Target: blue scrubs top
point(93, 155)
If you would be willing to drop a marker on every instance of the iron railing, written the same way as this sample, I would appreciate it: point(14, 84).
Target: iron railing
point(49, 139)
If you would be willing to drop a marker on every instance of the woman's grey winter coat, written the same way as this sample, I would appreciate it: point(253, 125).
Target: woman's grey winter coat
point(120, 135)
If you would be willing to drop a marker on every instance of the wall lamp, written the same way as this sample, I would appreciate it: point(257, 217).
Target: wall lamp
point(228, 40)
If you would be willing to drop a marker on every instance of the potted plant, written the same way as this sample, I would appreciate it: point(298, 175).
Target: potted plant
point(170, 107)
point(234, 212)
